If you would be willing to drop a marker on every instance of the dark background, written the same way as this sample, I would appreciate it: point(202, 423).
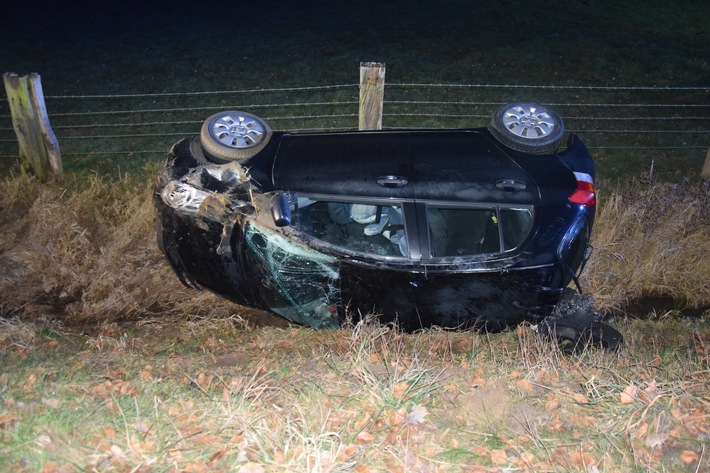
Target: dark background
point(84, 47)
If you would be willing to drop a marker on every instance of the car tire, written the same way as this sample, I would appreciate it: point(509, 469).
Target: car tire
point(233, 136)
point(528, 127)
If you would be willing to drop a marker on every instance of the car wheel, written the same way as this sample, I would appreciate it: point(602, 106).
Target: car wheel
point(230, 136)
point(528, 127)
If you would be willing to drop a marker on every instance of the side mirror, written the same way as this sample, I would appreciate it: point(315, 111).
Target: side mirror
point(281, 210)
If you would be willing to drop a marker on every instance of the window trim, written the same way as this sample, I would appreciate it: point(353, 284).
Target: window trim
point(416, 227)
point(343, 250)
point(426, 243)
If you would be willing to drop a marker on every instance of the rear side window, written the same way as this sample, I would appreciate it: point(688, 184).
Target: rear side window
point(360, 227)
point(515, 225)
point(457, 231)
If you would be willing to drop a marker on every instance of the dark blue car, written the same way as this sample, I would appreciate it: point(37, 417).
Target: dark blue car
point(471, 228)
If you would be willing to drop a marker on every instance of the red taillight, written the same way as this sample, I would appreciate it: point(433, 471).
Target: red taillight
point(585, 190)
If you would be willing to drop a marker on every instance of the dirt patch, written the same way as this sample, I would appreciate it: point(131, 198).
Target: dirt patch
point(494, 406)
point(487, 405)
point(663, 306)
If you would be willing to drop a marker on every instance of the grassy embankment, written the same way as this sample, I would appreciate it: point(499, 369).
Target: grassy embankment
point(109, 364)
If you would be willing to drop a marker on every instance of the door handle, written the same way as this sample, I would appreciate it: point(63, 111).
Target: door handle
point(392, 181)
point(511, 185)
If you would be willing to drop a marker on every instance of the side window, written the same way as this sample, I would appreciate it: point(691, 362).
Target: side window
point(369, 228)
point(456, 231)
point(515, 224)
point(462, 232)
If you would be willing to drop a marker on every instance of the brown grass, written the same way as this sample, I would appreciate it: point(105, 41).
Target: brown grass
point(88, 253)
point(213, 395)
point(190, 385)
point(652, 240)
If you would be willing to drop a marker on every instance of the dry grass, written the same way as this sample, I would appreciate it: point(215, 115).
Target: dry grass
point(191, 385)
point(224, 397)
point(652, 240)
point(89, 253)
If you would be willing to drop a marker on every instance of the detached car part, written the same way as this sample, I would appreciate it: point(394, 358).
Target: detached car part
point(470, 228)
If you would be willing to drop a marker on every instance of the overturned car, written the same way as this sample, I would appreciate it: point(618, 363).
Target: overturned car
point(471, 228)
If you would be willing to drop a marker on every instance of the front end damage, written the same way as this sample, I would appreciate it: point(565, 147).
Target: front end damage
point(217, 233)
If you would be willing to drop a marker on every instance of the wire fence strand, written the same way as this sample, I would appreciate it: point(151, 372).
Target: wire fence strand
point(662, 123)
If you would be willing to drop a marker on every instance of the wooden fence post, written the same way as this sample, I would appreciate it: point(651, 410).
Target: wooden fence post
point(39, 149)
point(705, 173)
point(372, 93)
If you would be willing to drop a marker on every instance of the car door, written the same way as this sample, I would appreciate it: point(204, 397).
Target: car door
point(463, 187)
point(344, 187)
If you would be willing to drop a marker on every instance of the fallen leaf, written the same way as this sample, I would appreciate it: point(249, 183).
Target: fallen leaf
point(499, 457)
point(194, 468)
point(201, 379)
point(349, 451)
point(31, 380)
point(688, 457)
point(556, 425)
point(451, 388)
point(642, 430)
point(552, 404)
point(527, 458)
point(7, 421)
point(525, 385)
point(582, 459)
point(393, 436)
point(363, 469)
point(480, 450)
point(629, 394)
point(279, 458)
point(49, 467)
point(416, 415)
point(400, 389)
point(364, 437)
point(146, 375)
point(126, 388)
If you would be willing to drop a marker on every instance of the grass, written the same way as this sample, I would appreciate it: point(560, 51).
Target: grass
point(651, 239)
point(225, 396)
point(86, 251)
point(109, 364)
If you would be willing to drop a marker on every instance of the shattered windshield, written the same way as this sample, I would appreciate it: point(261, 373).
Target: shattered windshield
point(295, 281)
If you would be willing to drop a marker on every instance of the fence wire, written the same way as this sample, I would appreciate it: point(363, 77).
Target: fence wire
point(661, 123)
